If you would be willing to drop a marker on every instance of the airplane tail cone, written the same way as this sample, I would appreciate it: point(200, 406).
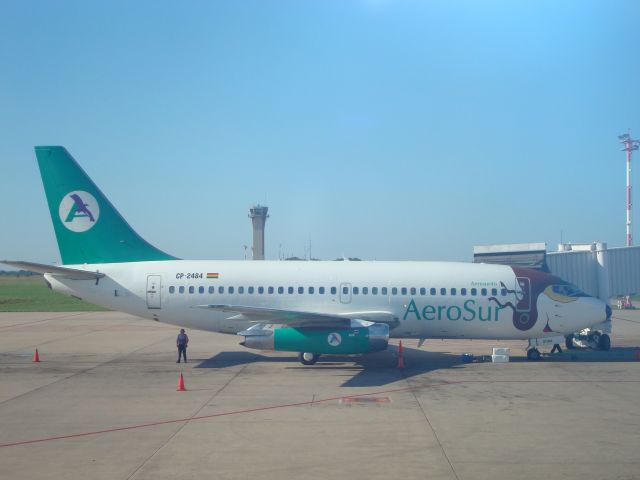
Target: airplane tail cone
point(400, 356)
point(36, 356)
point(181, 384)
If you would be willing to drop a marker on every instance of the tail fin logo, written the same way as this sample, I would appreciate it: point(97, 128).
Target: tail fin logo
point(79, 211)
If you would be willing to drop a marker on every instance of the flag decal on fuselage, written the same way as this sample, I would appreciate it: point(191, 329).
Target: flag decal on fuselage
point(213, 275)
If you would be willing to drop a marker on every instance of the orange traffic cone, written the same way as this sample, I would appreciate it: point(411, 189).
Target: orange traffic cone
point(36, 357)
point(181, 384)
point(400, 356)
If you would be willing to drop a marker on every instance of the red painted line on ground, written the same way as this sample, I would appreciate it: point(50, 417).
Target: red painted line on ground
point(625, 319)
point(214, 415)
point(298, 404)
point(25, 324)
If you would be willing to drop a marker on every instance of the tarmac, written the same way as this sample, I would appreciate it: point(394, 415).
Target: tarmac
point(102, 404)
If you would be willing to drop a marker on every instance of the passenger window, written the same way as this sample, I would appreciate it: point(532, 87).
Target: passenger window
point(423, 291)
point(333, 290)
point(474, 292)
point(220, 289)
point(413, 291)
point(280, 290)
point(384, 290)
point(261, 290)
point(240, 289)
point(374, 290)
point(300, 290)
point(311, 290)
point(494, 291)
point(192, 290)
point(443, 291)
point(321, 290)
point(463, 292)
point(483, 292)
point(290, 290)
point(394, 291)
point(345, 290)
point(365, 290)
point(212, 289)
point(172, 289)
point(181, 289)
point(200, 289)
point(270, 290)
point(432, 291)
point(355, 290)
point(230, 290)
point(404, 291)
point(250, 290)
point(503, 292)
point(454, 291)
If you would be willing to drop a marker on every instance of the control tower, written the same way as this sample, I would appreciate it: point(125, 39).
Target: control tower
point(258, 215)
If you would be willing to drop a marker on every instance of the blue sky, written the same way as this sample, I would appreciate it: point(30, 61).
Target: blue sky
point(407, 130)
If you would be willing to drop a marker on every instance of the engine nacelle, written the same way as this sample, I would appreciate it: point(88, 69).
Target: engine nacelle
point(360, 339)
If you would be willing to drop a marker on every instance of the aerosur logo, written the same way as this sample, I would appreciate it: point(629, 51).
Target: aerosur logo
point(79, 211)
point(334, 339)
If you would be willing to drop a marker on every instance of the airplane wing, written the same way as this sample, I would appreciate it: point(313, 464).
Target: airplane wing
point(70, 273)
point(295, 318)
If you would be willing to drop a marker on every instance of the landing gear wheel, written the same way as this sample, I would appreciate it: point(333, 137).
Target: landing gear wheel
point(605, 342)
point(307, 358)
point(568, 341)
point(533, 354)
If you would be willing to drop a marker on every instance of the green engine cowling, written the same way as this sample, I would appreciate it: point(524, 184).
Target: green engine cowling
point(361, 339)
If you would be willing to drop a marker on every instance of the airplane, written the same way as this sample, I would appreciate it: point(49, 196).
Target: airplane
point(312, 308)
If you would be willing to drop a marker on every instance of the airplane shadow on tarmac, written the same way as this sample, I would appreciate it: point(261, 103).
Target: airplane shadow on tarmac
point(379, 369)
point(365, 370)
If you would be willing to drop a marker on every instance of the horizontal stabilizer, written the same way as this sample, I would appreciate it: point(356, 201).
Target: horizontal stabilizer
point(70, 273)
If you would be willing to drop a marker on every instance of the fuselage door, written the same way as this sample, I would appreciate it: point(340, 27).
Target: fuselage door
point(153, 291)
point(345, 293)
point(523, 294)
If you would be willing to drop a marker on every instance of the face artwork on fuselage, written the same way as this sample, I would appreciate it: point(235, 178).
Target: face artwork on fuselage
point(530, 284)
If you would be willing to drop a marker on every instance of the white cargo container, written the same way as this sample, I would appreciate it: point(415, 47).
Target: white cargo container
point(500, 358)
point(501, 351)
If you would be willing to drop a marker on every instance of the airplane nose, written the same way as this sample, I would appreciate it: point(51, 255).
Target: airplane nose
point(608, 312)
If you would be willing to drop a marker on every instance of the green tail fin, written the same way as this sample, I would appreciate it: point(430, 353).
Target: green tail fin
point(88, 227)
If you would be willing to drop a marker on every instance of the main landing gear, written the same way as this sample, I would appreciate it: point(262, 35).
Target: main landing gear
point(307, 358)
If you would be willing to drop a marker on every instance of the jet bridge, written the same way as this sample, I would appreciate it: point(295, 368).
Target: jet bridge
point(597, 270)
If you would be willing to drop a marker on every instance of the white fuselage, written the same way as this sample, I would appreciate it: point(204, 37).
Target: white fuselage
point(427, 299)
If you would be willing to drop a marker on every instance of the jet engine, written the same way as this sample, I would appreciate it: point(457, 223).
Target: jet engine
point(360, 337)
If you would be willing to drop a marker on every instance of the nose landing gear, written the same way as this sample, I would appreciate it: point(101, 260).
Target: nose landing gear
point(602, 340)
point(568, 342)
point(533, 354)
point(587, 338)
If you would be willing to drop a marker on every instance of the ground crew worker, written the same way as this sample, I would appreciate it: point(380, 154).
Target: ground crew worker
point(181, 342)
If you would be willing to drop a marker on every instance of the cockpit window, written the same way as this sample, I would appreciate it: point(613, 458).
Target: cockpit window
point(568, 290)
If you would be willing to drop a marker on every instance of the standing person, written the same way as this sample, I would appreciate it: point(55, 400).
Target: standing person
point(181, 342)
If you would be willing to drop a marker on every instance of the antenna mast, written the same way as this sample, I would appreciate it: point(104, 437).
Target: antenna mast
point(629, 146)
